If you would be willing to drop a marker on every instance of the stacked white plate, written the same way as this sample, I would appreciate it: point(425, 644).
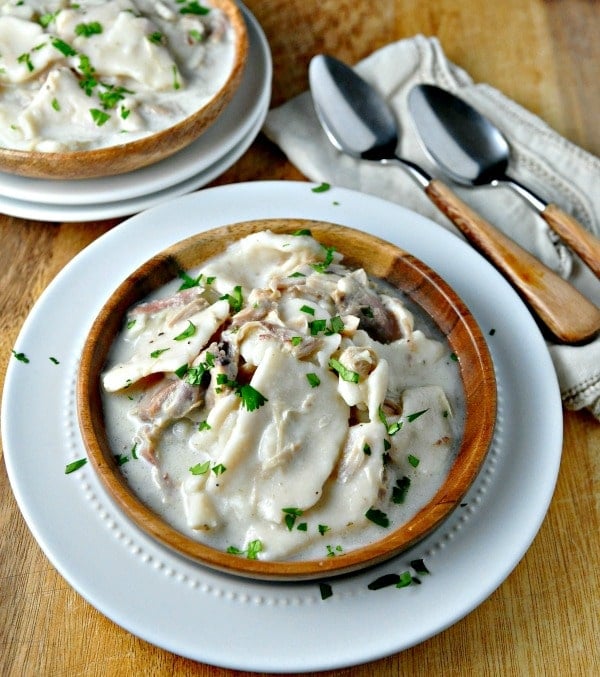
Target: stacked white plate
point(194, 166)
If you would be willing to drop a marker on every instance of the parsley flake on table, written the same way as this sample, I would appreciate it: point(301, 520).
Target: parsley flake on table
point(20, 356)
point(326, 590)
point(321, 188)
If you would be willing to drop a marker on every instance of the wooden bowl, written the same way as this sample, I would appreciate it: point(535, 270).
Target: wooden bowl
point(126, 157)
point(379, 259)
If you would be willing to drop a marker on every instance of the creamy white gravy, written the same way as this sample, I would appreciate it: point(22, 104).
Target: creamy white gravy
point(78, 76)
point(289, 419)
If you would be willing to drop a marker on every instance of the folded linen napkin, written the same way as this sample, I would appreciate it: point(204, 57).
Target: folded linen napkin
point(553, 167)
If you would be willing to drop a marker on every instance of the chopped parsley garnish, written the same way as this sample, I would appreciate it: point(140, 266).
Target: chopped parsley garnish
point(303, 526)
point(133, 451)
point(188, 281)
point(492, 331)
point(26, 59)
point(53, 360)
point(158, 353)
point(55, 104)
point(367, 311)
point(419, 566)
point(366, 449)
point(46, 19)
point(219, 469)
point(326, 590)
point(195, 36)
point(124, 112)
point(302, 231)
point(322, 188)
point(307, 309)
point(121, 459)
point(204, 425)
point(21, 357)
point(291, 515)
point(454, 357)
point(157, 38)
point(176, 83)
point(296, 340)
point(413, 460)
point(235, 299)
point(64, 48)
point(400, 490)
point(99, 116)
point(344, 373)
point(411, 417)
point(313, 380)
point(254, 547)
point(391, 428)
point(322, 267)
point(297, 274)
point(404, 579)
point(377, 517)
point(317, 326)
point(384, 581)
point(130, 324)
point(189, 331)
point(89, 29)
point(251, 398)
point(200, 468)
point(323, 529)
point(75, 465)
point(112, 95)
point(336, 326)
point(194, 8)
point(333, 551)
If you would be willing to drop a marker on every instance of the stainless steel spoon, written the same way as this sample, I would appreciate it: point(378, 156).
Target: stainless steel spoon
point(359, 122)
point(473, 152)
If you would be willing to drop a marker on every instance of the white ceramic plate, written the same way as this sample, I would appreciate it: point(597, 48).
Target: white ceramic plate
point(233, 126)
point(106, 210)
point(245, 625)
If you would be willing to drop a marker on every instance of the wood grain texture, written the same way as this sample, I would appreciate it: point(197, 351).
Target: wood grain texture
point(543, 620)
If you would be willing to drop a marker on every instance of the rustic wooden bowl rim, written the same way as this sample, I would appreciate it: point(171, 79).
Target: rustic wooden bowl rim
point(379, 258)
point(126, 157)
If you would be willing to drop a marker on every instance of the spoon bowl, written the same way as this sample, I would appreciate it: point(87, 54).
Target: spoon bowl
point(474, 152)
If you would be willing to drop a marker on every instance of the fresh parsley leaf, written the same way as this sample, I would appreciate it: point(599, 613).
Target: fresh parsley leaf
point(405, 579)
point(411, 417)
point(89, 29)
point(204, 425)
point(99, 116)
point(157, 353)
point(251, 398)
point(219, 469)
point(344, 373)
point(322, 267)
point(254, 547)
point(317, 326)
point(235, 299)
point(400, 490)
point(75, 465)
point(64, 48)
point(200, 468)
point(326, 590)
point(377, 517)
point(413, 460)
point(291, 514)
point(323, 529)
point(194, 8)
point(189, 331)
point(313, 379)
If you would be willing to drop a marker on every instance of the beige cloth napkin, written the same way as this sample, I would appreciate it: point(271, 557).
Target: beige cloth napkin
point(546, 162)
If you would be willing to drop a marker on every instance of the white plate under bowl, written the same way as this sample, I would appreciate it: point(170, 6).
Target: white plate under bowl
point(245, 625)
point(231, 128)
point(106, 210)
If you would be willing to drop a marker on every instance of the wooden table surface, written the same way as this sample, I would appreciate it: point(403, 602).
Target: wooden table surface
point(544, 619)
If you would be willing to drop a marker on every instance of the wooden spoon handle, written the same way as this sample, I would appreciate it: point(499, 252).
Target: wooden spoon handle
point(575, 235)
point(570, 316)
